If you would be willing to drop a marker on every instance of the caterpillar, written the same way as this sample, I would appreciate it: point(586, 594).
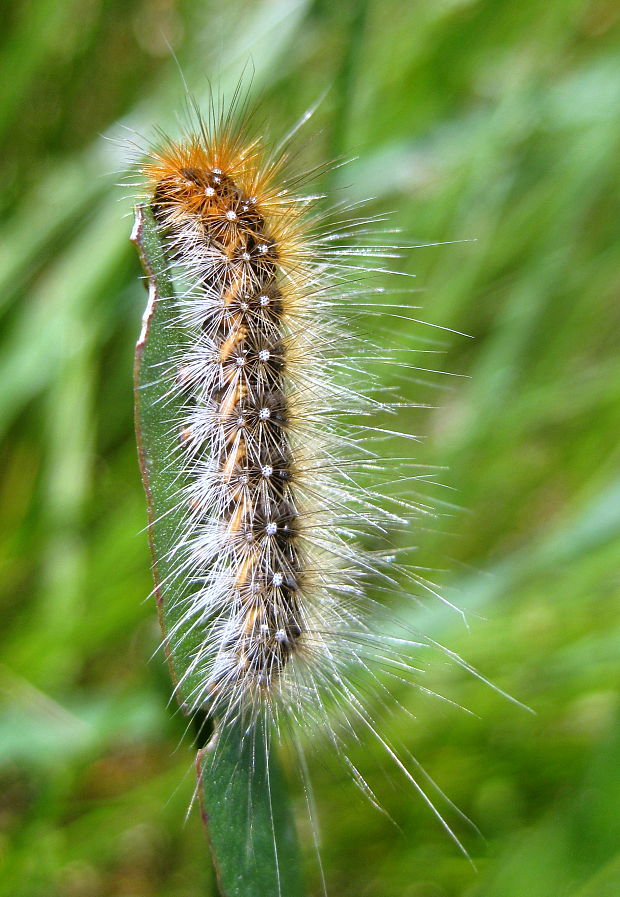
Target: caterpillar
point(288, 510)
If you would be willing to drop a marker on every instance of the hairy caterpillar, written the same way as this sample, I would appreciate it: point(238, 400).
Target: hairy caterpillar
point(287, 511)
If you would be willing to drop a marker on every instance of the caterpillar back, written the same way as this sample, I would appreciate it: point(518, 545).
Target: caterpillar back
point(231, 232)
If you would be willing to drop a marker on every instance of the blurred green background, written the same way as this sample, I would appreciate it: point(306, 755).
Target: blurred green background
point(491, 121)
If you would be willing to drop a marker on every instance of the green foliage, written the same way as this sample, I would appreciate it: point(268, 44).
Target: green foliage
point(158, 445)
point(486, 121)
point(247, 812)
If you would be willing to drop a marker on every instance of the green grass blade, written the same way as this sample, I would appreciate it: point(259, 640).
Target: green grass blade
point(606, 883)
point(243, 797)
point(249, 822)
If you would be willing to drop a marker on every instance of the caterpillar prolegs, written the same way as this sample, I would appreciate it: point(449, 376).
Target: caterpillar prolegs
point(286, 511)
